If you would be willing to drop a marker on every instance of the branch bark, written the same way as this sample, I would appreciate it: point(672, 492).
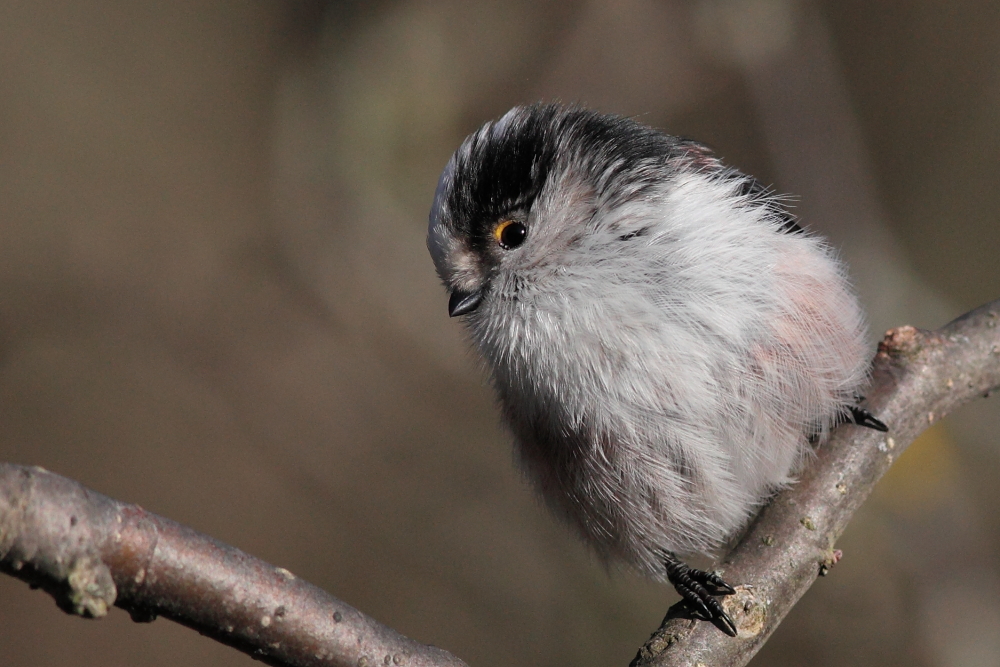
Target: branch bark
point(90, 551)
point(918, 378)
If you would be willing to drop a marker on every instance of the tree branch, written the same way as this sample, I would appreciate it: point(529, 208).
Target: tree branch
point(918, 378)
point(90, 551)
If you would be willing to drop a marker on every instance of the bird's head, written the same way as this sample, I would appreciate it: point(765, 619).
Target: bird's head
point(523, 193)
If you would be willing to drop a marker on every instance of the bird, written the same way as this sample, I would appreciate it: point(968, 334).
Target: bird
point(666, 341)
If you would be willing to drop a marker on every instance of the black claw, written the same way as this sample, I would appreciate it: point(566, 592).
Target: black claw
point(717, 582)
point(862, 417)
point(727, 624)
point(695, 599)
point(691, 585)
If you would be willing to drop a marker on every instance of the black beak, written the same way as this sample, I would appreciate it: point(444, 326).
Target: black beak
point(461, 302)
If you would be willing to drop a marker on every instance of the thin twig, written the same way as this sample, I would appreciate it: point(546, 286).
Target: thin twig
point(918, 378)
point(90, 551)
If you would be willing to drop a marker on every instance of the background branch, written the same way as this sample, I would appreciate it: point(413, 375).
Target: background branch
point(918, 378)
point(90, 551)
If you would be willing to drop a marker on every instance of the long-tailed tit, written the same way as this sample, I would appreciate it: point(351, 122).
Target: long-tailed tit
point(664, 339)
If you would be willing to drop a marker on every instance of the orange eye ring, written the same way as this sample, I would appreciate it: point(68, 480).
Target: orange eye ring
point(510, 234)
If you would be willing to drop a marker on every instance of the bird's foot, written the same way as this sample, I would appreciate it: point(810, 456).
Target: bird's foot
point(862, 417)
point(693, 585)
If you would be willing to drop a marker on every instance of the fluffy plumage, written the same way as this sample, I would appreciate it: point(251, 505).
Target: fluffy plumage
point(666, 339)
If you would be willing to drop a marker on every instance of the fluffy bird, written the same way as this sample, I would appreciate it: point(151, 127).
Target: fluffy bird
point(665, 340)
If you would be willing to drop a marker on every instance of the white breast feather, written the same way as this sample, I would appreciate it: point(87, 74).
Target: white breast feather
point(688, 364)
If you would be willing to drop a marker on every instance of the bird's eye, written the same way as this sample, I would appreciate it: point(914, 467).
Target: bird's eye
point(510, 234)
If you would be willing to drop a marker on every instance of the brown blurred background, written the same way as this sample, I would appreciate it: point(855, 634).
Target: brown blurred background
point(215, 299)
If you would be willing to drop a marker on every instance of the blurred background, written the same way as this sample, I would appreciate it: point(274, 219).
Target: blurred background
point(215, 299)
